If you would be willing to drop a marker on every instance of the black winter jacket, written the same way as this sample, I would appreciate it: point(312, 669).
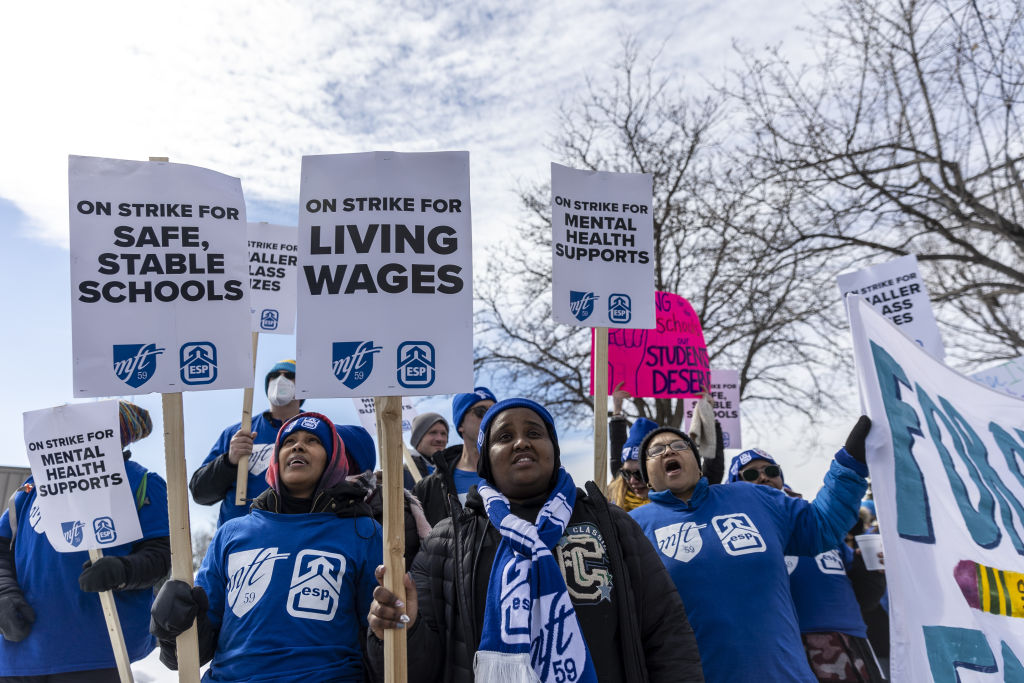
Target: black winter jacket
point(433, 490)
point(452, 571)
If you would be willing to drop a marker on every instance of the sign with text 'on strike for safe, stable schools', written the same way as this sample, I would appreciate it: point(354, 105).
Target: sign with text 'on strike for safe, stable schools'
point(602, 241)
point(725, 394)
point(84, 498)
point(159, 296)
point(897, 291)
point(385, 275)
point(947, 470)
point(273, 262)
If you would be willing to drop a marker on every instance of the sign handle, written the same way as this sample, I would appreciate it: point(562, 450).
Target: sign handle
point(242, 481)
point(389, 435)
point(124, 669)
point(601, 407)
point(410, 463)
point(181, 537)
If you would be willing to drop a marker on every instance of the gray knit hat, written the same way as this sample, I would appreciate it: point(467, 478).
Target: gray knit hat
point(421, 424)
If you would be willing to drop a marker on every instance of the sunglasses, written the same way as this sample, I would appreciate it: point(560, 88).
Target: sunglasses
point(753, 474)
point(631, 474)
point(661, 449)
point(480, 411)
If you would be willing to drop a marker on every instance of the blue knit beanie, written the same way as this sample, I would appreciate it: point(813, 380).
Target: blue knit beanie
point(483, 440)
point(744, 458)
point(463, 402)
point(640, 429)
point(359, 446)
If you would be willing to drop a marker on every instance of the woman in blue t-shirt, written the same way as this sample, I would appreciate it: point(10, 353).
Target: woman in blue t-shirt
point(283, 592)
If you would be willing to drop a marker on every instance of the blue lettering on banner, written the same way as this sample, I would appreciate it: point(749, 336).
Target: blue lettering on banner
point(620, 308)
point(134, 364)
point(72, 532)
point(352, 362)
point(269, 319)
point(103, 529)
point(581, 304)
point(417, 364)
point(198, 362)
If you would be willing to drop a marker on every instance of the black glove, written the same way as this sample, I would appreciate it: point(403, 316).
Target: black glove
point(719, 441)
point(175, 609)
point(858, 435)
point(16, 617)
point(105, 574)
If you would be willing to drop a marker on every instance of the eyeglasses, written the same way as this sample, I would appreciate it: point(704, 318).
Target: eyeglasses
point(480, 411)
point(631, 474)
point(662, 449)
point(753, 474)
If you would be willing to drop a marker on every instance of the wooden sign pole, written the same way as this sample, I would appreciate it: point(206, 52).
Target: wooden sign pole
point(389, 436)
point(242, 481)
point(601, 407)
point(124, 668)
point(410, 463)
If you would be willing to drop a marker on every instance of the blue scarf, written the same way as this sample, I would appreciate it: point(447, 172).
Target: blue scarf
point(530, 628)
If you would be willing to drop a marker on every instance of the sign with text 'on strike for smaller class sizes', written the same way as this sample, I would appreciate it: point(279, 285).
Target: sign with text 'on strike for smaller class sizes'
point(159, 301)
point(273, 262)
point(385, 275)
point(602, 245)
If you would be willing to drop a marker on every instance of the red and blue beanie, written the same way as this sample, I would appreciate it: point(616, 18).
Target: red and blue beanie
point(641, 428)
point(362, 454)
point(463, 402)
point(743, 459)
point(483, 439)
point(135, 422)
point(337, 464)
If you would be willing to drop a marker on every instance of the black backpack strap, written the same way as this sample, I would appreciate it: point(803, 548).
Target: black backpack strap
point(633, 660)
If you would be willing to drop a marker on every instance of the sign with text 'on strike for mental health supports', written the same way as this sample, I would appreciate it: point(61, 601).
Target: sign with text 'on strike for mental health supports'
point(947, 470)
point(273, 262)
point(670, 361)
point(85, 501)
point(602, 241)
point(725, 394)
point(897, 291)
point(368, 414)
point(159, 301)
point(385, 275)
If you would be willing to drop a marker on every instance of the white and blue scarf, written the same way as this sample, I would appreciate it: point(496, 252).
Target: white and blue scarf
point(530, 628)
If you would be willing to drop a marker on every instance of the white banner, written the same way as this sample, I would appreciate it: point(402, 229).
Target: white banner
point(1007, 377)
point(85, 501)
point(947, 470)
point(385, 275)
point(368, 414)
point(602, 246)
point(725, 393)
point(273, 262)
point(159, 301)
point(897, 291)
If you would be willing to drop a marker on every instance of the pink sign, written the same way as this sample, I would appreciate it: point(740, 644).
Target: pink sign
point(670, 361)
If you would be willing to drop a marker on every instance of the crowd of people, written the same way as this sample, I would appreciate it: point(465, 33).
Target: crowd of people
point(515, 573)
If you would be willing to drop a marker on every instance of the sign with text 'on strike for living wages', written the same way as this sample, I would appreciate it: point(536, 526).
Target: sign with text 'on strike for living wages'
point(385, 275)
point(84, 499)
point(273, 262)
point(602, 244)
point(946, 456)
point(159, 301)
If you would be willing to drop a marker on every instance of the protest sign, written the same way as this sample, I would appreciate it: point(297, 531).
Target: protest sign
point(725, 393)
point(602, 241)
point(1006, 377)
point(85, 501)
point(670, 361)
point(945, 455)
point(368, 414)
point(273, 263)
point(897, 291)
point(158, 278)
point(385, 275)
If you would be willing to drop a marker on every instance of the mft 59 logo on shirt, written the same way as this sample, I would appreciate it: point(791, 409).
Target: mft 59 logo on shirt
point(681, 541)
point(249, 574)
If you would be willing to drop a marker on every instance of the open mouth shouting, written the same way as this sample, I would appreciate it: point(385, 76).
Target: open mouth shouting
point(673, 467)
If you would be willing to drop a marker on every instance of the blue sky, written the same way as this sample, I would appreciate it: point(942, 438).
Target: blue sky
point(248, 88)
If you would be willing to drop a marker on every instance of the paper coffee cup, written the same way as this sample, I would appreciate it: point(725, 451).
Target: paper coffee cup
point(871, 550)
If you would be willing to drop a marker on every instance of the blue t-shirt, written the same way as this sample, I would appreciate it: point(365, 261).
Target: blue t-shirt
point(725, 551)
point(69, 633)
point(823, 594)
point(262, 451)
point(290, 595)
point(464, 480)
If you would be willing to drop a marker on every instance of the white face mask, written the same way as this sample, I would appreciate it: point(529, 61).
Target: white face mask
point(281, 391)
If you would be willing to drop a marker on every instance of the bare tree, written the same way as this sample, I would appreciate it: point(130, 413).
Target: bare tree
point(760, 307)
point(905, 138)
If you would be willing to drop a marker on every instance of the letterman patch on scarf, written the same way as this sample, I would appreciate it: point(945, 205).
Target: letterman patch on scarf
point(583, 559)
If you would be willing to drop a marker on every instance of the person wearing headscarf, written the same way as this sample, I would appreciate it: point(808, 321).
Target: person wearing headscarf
point(725, 548)
point(834, 636)
point(50, 616)
point(535, 579)
point(283, 591)
point(628, 490)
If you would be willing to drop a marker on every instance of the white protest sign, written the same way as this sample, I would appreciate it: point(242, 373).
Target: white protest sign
point(1007, 377)
point(159, 301)
point(385, 275)
point(897, 291)
point(85, 501)
point(368, 414)
point(273, 263)
point(946, 456)
point(725, 393)
point(602, 241)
